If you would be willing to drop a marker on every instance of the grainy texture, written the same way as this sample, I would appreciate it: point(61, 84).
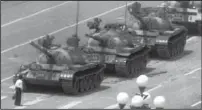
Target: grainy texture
point(168, 73)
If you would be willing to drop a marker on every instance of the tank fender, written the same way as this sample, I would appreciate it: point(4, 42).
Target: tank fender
point(162, 40)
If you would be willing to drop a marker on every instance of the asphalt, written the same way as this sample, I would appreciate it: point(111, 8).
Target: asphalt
point(166, 77)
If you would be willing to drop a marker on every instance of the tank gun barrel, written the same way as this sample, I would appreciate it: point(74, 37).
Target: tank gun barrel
point(41, 49)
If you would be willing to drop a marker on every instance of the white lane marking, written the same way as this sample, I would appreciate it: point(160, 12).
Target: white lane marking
point(193, 71)
point(39, 12)
point(195, 103)
point(37, 100)
point(3, 97)
point(20, 107)
point(150, 90)
point(17, 60)
point(80, 22)
point(70, 105)
point(115, 105)
point(6, 78)
point(112, 106)
point(192, 38)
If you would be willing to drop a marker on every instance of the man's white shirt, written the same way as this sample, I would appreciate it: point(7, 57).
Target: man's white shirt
point(19, 84)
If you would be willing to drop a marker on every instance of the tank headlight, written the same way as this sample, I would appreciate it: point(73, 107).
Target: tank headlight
point(62, 75)
point(162, 41)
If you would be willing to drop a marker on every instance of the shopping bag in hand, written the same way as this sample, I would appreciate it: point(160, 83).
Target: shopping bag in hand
point(14, 96)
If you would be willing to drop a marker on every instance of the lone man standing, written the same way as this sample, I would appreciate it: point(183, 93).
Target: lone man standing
point(18, 91)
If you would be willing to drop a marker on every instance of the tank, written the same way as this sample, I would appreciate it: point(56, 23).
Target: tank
point(123, 54)
point(186, 13)
point(167, 40)
point(66, 67)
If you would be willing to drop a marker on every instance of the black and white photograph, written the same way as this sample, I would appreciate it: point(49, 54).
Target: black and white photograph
point(101, 54)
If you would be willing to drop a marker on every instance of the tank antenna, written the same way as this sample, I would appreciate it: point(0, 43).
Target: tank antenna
point(126, 13)
point(77, 17)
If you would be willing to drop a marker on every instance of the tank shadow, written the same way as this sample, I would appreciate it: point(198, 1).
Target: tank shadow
point(101, 88)
point(156, 73)
point(185, 53)
point(59, 92)
point(119, 79)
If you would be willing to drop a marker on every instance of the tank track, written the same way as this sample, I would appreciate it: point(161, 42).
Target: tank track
point(135, 63)
point(175, 46)
point(84, 81)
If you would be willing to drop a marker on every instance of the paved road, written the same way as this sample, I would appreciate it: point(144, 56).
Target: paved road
point(169, 74)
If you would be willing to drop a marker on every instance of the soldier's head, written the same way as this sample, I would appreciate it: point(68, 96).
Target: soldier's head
point(19, 76)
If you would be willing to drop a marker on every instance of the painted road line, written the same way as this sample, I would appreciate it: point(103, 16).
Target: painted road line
point(112, 106)
point(192, 38)
point(37, 13)
point(199, 102)
point(6, 78)
point(193, 71)
point(37, 100)
point(70, 105)
point(17, 60)
point(3, 97)
point(70, 26)
point(150, 90)
point(20, 107)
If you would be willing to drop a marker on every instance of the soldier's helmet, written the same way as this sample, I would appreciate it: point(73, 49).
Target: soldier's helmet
point(159, 101)
point(137, 101)
point(19, 76)
point(122, 98)
point(73, 41)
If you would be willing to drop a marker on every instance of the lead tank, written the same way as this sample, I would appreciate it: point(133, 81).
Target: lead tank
point(66, 67)
point(123, 55)
point(167, 40)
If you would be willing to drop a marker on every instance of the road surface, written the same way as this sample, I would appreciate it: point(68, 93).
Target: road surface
point(22, 21)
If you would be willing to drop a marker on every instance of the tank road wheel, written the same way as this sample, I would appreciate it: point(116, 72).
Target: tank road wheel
point(81, 85)
point(95, 82)
point(76, 87)
point(91, 83)
point(87, 83)
point(99, 79)
point(179, 46)
point(125, 71)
